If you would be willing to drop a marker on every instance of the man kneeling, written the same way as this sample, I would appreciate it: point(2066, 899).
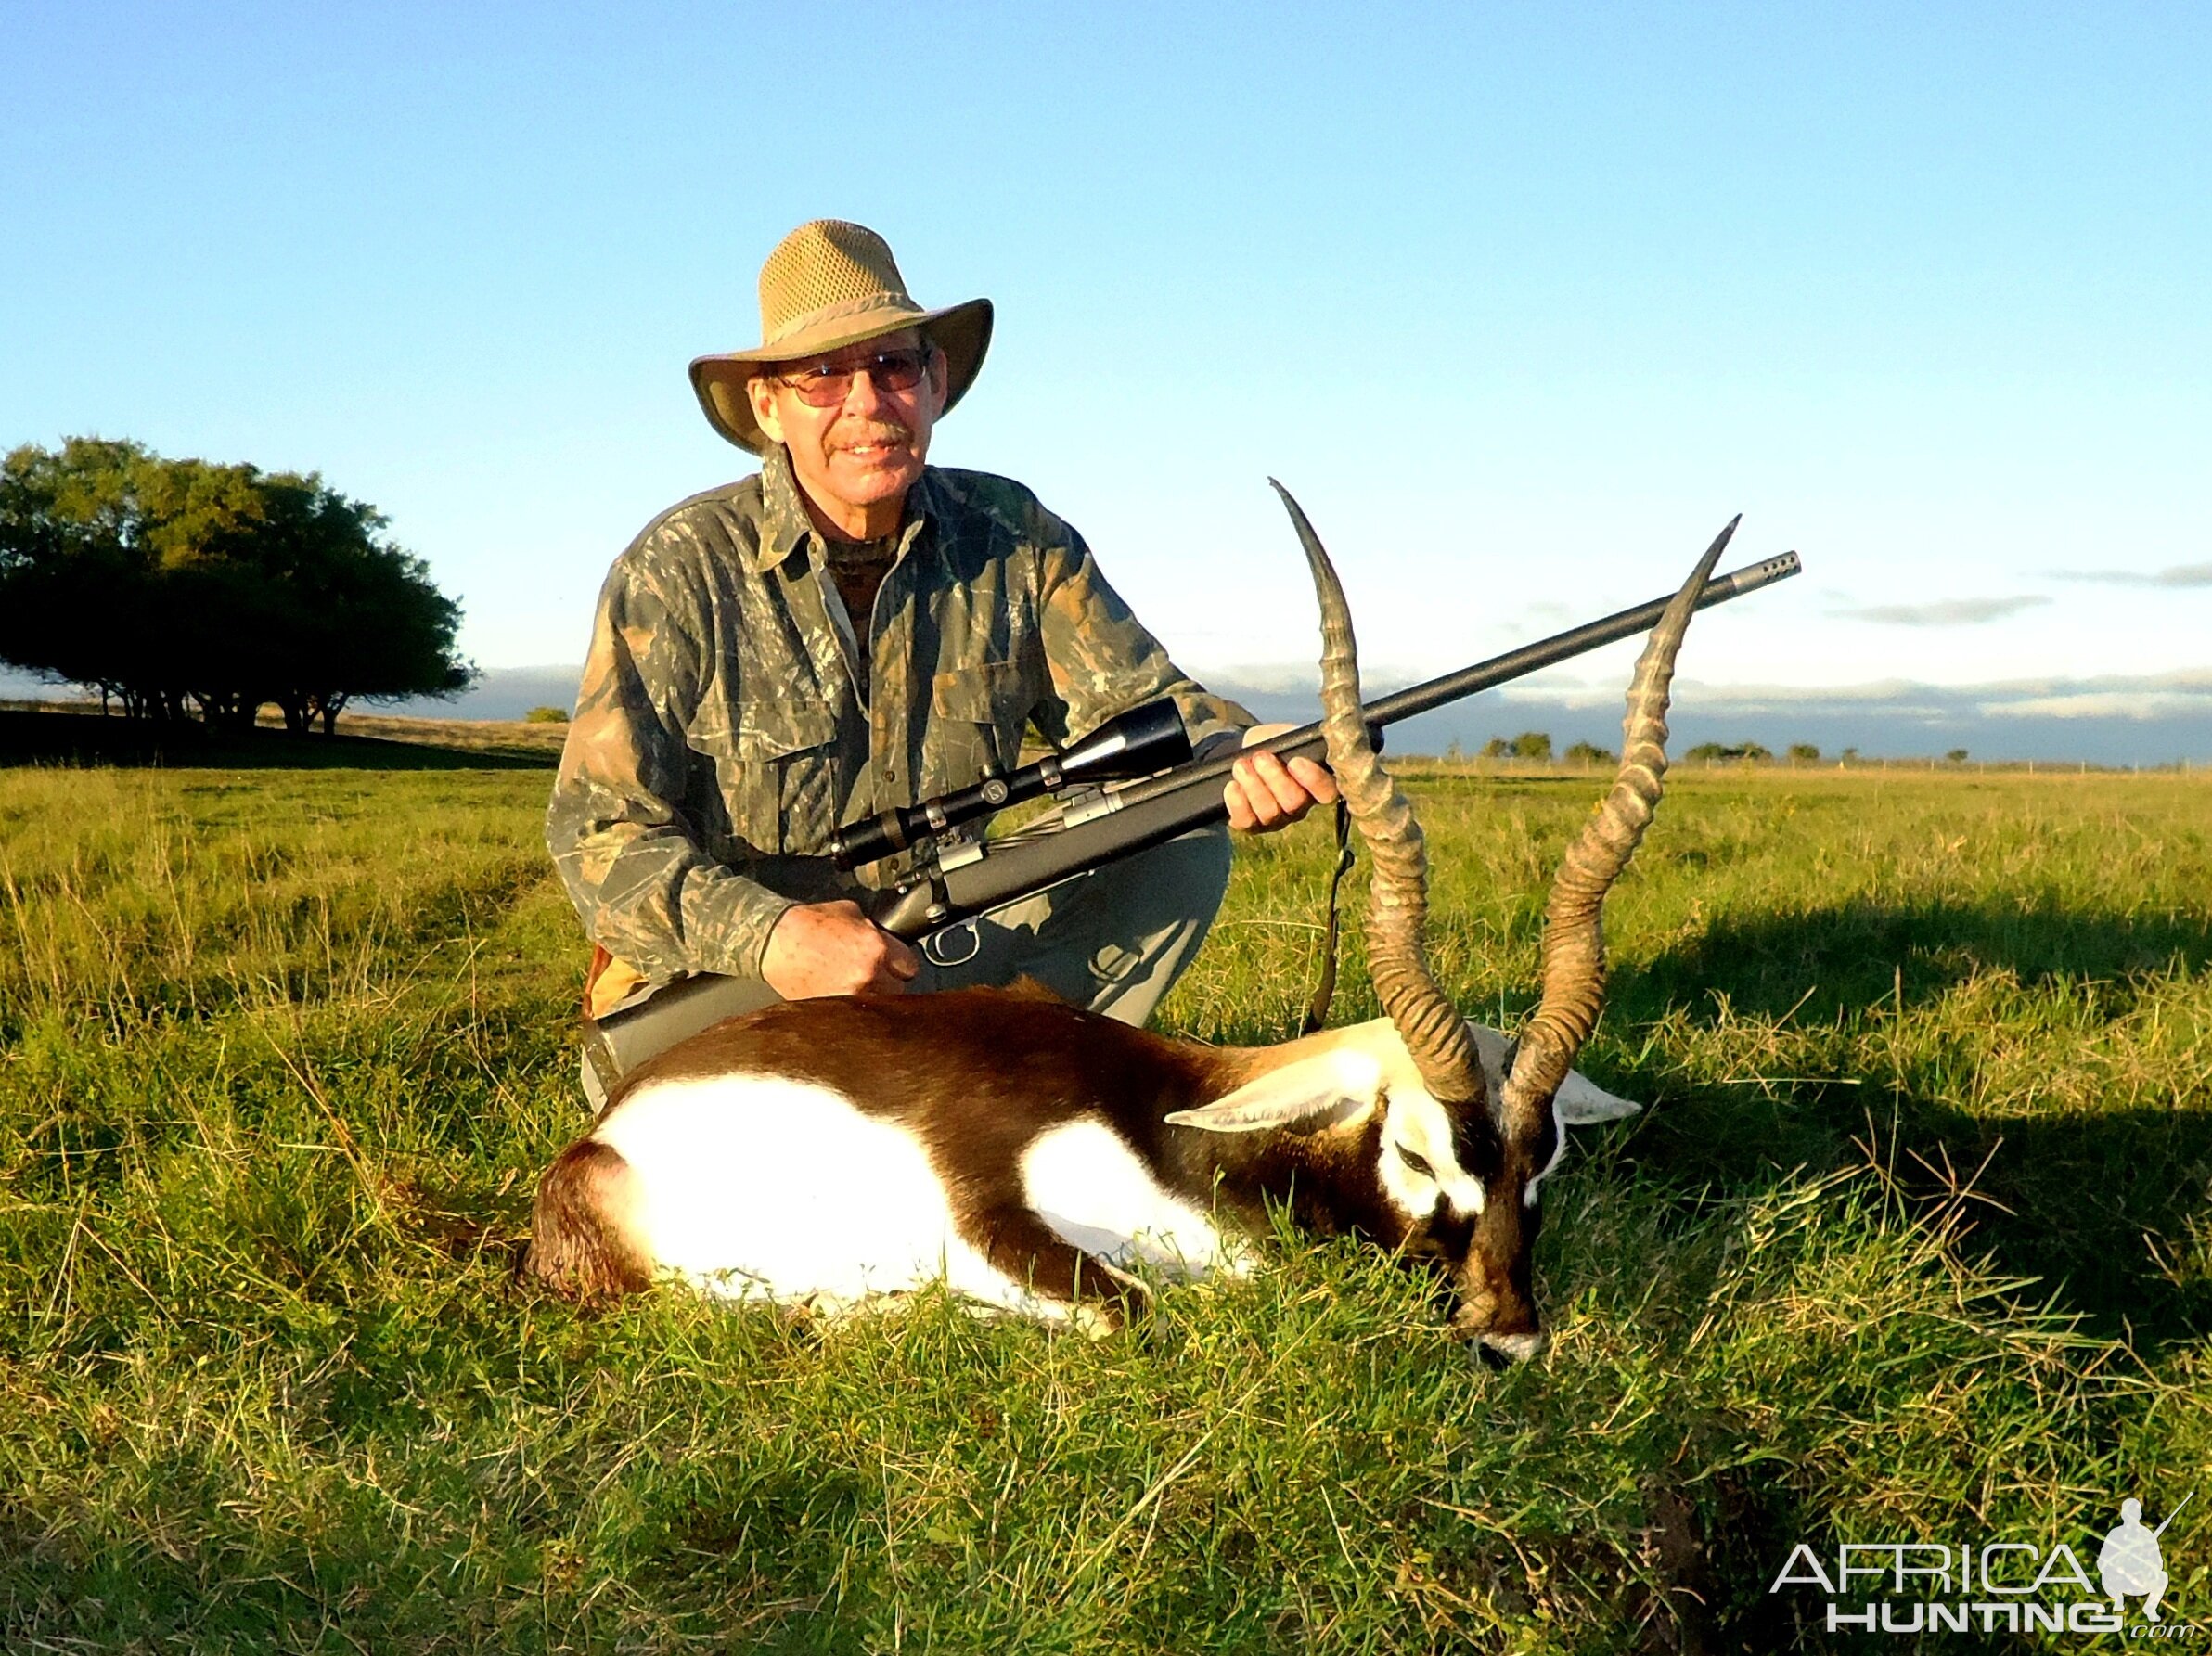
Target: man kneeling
point(848, 630)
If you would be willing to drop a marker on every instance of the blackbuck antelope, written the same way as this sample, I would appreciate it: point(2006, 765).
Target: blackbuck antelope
point(1028, 1154)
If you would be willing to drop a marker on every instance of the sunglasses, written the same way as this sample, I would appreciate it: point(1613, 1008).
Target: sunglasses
point(889, 371)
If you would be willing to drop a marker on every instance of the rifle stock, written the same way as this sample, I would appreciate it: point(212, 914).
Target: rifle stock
point(1152, 812)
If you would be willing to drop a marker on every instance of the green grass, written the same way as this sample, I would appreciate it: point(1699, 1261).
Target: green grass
point(1913, 1243)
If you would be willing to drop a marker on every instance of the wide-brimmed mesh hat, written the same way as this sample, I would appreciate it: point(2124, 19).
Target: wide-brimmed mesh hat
point(828, 285)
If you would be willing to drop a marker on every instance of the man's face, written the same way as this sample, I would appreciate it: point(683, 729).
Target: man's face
point(858, 457)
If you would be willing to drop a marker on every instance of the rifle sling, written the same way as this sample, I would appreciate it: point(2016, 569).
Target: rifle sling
point(1316, 1009)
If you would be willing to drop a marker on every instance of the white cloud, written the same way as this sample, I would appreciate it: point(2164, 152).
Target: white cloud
point(1945, 612)
point(2180, 574)
point(2185, 691)
point(2142, 696)
point(2105, 704)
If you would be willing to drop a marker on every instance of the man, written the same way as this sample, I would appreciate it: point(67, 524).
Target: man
point(848, 630)
point(2130, 1561)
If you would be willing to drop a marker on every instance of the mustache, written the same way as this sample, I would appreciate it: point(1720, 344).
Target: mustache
point(875, 431)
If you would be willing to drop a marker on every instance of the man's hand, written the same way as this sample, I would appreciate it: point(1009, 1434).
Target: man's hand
point(1264, 794)
point(832, 948)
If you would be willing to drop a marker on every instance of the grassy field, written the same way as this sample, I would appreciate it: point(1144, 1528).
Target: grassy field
point(1914, 1243)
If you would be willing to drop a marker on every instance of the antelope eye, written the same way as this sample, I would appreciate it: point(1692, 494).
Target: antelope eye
point(1417, 1163)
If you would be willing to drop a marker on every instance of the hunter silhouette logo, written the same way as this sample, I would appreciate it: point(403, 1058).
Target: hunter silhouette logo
point(1991, 1584)
point(2129, 1562)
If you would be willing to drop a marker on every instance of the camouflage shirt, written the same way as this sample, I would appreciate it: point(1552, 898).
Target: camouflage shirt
point(722, 736)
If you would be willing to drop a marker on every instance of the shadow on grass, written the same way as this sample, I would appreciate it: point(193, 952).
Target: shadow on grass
point(1858, 955)
point(2104, 1207)
point(88, 740)
point(1708, 1548)
point(2100, 1209)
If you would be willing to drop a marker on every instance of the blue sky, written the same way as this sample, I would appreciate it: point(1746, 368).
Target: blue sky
point(1521, 302)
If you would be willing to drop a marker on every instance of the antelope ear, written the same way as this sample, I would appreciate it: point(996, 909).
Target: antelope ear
point(1580, 1102)
point(1330, 1089)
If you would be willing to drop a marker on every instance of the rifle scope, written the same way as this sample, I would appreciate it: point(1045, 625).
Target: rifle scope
point(1142, 741)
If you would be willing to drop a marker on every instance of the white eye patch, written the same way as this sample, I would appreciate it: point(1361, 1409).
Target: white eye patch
point(1418, 1161)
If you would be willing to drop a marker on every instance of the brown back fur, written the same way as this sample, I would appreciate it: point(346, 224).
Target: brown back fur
point(977, 1075)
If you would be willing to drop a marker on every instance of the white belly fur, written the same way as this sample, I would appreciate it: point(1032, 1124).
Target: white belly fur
point(761, 1187)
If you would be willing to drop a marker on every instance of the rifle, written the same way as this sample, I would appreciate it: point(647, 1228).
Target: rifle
point(952, 885)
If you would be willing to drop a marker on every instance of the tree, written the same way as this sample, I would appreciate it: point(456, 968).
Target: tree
point(1957, 756)
point(165, 582)
point(1498, 748)
point(1804, 754)
point(1532, 744)
point(1589, 753)
point(1709, 752)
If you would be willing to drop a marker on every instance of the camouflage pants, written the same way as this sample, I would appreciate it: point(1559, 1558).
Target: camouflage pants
point(1114, 940)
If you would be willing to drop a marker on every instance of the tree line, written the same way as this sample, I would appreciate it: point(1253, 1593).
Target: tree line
point(1536, 745)
point(182, 588)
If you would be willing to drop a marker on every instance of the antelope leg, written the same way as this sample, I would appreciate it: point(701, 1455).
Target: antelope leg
point(1022, 1247)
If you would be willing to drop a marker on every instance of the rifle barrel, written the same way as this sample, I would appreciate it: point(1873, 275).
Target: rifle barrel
point(2174, 1514)
point(1149, 812)
point(1435, 693)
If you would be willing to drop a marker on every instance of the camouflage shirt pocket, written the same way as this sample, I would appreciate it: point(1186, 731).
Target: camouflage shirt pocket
point(977, 710)
point(786, 795)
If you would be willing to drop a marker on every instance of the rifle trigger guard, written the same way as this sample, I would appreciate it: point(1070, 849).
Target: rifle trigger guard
point(935, 947)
